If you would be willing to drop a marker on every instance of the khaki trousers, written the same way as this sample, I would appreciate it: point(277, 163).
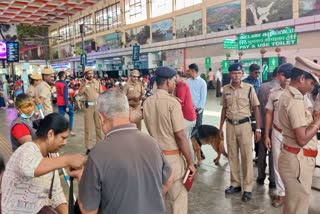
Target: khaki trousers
point(176, 199)
point(91, 121)
point(296, 172)
point(136, 116)
point(240, 137)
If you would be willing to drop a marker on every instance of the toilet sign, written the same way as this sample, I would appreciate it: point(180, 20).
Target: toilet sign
point(208, 63)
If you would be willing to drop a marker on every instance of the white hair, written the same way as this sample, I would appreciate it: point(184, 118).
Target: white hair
point(113, 103)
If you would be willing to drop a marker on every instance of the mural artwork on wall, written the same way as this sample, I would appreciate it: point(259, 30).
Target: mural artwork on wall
point(309, 7)
point(265, 11)
point(33, 42)
point(189, 25)
point(8, 32)
point(224, 17)
point(162, 31)
point(138, 35)
point(109, 41)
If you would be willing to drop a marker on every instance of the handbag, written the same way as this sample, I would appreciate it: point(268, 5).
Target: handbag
point(48, 209)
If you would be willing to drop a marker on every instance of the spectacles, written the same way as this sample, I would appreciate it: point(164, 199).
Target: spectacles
point(135, 77)
point(257, 72)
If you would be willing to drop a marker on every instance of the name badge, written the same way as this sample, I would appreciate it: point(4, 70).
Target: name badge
point(87, 86)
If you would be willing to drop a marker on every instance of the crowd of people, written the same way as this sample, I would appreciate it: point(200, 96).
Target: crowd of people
point(125, 168)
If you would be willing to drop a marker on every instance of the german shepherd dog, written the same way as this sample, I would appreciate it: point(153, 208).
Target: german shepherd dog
point(207, 135)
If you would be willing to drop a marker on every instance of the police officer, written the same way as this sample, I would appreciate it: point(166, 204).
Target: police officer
point(43, 91)
point(272, 123)
point(238, 99)
point(135, 92)
point(299, 147)
point(90, 88)
point(164, 120)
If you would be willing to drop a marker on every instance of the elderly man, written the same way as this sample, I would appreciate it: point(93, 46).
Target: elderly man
point(127, 172)
point(164, 120)
point(43, 91)
point(135, 92)
point(90, 88)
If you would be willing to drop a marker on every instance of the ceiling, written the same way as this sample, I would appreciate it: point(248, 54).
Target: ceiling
point(40, 12)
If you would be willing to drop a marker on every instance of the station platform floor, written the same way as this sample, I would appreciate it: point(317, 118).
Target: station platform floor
point(207, 195)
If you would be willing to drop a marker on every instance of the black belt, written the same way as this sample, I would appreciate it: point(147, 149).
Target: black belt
point(238, 122)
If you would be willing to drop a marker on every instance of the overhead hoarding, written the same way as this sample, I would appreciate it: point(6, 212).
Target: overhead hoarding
point(270, 38)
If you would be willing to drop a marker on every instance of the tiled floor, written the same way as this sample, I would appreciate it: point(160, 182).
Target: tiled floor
point(207, 195)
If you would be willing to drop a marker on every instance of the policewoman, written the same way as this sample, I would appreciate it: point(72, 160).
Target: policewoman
point(299, 148)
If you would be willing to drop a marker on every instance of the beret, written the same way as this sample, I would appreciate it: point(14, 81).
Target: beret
point(165, 72)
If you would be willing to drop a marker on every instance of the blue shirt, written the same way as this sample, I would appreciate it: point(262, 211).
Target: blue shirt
point(198, 88)
point(254, 82)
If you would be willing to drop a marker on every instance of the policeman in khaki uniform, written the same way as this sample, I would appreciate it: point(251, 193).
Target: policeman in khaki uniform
point(164, 120)
point(237, 100)
point(135, 92)
point(299, 147)
point(91, 88)
point(272, 123)
point(43, 91)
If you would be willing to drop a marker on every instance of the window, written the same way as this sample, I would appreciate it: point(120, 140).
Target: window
point(180, 4)
point(53, 34)
point(160, 7)
point(135, 11)
point(87, 21)
point(77, 24)
point(108, 18)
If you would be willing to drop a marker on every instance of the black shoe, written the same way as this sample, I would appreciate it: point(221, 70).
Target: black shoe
point(272, 185)
point(88, 151)
point(202, 155)
point(260, 181)
point(231, 190)
point(246, 196)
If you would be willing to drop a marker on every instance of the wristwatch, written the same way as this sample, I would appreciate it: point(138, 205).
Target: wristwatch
point(258, 130)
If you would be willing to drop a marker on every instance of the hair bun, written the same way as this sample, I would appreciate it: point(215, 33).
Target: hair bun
point(36, 123)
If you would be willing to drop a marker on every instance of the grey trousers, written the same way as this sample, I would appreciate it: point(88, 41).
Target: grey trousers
point(262, 161)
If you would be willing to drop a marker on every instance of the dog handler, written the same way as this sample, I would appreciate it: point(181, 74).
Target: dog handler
point(299, 147)
point(237, 100)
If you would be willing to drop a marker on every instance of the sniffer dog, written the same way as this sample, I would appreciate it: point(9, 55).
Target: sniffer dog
point(207, 135)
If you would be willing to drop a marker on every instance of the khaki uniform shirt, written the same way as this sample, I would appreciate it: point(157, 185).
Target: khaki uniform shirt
point(294, 114)
point(237, 102)
point(92, 90)
point(43, 91)
point(134, 89)
point(31, 90)
point(163, 117)
point(316, 106)
point(273, 103)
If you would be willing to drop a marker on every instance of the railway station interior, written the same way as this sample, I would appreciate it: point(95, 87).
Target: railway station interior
point(148, 43)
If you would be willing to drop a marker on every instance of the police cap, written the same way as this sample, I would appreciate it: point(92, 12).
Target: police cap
point(235, 67)
point(308, 66)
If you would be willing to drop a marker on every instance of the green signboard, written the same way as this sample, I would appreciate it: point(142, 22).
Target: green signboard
point(229, 44)
point(208, 62)
point(270, 38)
point(225, 66)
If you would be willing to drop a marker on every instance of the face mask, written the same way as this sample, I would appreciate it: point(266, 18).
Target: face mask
point(24, 116)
